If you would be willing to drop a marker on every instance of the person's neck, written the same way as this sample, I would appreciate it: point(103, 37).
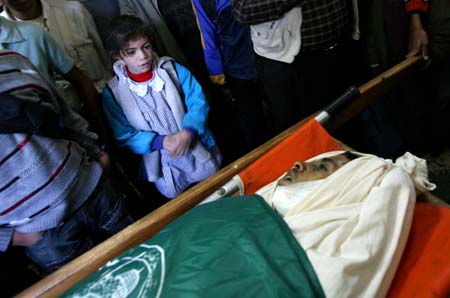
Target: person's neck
point(34, 12)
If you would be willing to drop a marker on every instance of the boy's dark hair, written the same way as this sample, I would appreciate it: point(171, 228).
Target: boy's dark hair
point(125, 28)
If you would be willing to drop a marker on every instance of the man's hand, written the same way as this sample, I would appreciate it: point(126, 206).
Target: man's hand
point(177, 144)
point(25, 239)
point(418, 38)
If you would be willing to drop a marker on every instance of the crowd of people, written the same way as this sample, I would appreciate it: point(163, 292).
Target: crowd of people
point(186, 88)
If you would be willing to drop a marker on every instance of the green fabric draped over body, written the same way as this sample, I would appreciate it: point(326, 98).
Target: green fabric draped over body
point(234, 247)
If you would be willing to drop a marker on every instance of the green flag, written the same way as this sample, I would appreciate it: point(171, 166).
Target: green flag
point(234, 247)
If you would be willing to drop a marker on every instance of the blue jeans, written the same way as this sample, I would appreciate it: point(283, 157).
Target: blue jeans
point(101, 216)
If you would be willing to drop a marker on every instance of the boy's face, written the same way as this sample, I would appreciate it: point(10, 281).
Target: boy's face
point(313, 170)
point(137, 55)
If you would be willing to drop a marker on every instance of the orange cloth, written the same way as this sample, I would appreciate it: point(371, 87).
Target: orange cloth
point(424, 269)
point(309, 140)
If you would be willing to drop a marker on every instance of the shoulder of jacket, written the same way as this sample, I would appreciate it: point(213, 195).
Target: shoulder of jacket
point(29, 29)
point(113, 83)
point(163, 62)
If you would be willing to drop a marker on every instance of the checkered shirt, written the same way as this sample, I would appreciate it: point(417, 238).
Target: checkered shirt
point(324, 21)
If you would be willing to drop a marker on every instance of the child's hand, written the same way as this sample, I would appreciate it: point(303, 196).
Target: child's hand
point(177, 144)
point(25, 239)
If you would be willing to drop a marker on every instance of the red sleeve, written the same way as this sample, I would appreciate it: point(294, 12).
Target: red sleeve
point(417, 5)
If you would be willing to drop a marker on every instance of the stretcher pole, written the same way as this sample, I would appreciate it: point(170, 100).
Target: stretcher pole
point(374, 89)
point(61, 280)
point(345, 107)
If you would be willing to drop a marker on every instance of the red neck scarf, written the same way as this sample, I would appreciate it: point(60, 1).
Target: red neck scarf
point(140, 77)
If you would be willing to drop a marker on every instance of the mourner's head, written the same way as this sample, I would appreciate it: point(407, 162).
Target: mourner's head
point(316, 169)
point(19, 5)
point(23, 10)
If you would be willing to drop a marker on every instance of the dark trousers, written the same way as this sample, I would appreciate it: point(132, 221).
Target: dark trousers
point(308, 84)
point(248, 104)
point(283, 86)
point(101, 216)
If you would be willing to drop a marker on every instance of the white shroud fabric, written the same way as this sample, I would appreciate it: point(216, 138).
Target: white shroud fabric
point(354, 225)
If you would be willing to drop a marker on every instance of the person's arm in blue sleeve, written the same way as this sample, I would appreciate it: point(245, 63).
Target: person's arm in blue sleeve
point(210, 44)
point(138, 141)
point(197, 107)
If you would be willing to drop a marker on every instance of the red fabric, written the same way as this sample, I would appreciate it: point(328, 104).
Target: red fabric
point(424, 269)
point(418, 5)
point(309, 140)
point(140, 77)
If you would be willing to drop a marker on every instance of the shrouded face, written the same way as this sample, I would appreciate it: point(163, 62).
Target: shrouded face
point(137, 55)
point(19, 5)
point(313, 170)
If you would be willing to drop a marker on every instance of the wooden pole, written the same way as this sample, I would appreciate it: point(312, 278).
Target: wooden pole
point(373, 89)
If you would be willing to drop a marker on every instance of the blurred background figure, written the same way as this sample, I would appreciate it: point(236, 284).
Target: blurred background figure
point(230, 62)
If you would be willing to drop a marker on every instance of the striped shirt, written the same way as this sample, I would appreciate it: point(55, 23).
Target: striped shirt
point(43, 179)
